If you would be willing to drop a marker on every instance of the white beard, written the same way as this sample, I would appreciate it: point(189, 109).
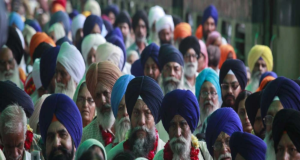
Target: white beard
point(14, 77)
point(206, 111)
point(190, 69)
point(122, 126)
point(168, 87)
point(270, 155)
point(226, 155)
point(69, 90)
point(106, 120)
point(181, 147)
point(254, 83)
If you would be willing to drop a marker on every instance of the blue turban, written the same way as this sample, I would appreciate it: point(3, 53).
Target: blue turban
point(137, 68)
point(118, 92)
point(62, 40)
point(273, 74)
point(62, 17)
point(211, 76)
point(287, 90)
point(112, 8)
point(183, 103)
point(152, 51)
point(90, 22)
point(3, 24)
point(249, 146)
point(239, 70)
point(40, 50)
point(15, 18)
point(222, 120)
point(48, 65)
point(149, 90)
point(210, 11)
point(252, 105)
point(116, 40)
point(34, 24)
point(73, 14)
point(66, 112)
point(116, 32)
point(11, 94)
point(168, 53)
point(108, 25)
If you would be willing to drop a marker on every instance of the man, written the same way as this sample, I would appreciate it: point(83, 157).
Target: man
point(155, 13)
point(164, 28)
point(190, 49)
point(61, 127)
point(260, 60)
point(181, 31)
point(171, 64)
point(112, 11)
point(143, 99)
point(123, 21)
point(69, 69)
point(220, 126)
point(149, 60)
point(233, 80)
point(100, 79)
point(214, 55)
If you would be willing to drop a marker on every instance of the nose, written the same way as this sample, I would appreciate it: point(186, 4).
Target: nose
point(150, 71)
point(103, 99)
point(7, 67)
point(14, 153)
point(56, 142)
point(172, 73)
point(125, 112)
point(58, 77)
point(285, 156)
point(229, 89)
point(224, 148)
point(142, 120)
point(178, 132)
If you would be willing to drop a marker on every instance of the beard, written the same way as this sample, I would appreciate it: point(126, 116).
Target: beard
point(270, 155)
point(181, 147)
point(11, 75)
point(228, 104)
point(66, 154)
point(190, 69)
point(140, 38)
point(170, 84)
point(261, 133)
point(254, 83)
point(69, 90)
point(226, 155)
point(106, 119)
point(122, 126)
point(205, 111)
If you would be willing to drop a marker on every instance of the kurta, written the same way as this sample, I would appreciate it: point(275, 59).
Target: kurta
point(92, 130)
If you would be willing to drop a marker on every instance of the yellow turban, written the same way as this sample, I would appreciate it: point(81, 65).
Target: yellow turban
point(260, 51)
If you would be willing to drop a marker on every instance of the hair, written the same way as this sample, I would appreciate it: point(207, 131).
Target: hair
point(244, 94)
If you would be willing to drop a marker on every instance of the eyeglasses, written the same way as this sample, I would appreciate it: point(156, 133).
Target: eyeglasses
point(188, 56)
point(234, 86)
point(206, 94)
point(268, 120)
point(219, 145)
point(82, 100)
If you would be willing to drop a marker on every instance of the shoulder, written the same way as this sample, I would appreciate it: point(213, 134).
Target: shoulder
point(160, 146)
point(108, 147)
point(159, 155)
point(114, 151)
point(91, 131)
point(204, 151)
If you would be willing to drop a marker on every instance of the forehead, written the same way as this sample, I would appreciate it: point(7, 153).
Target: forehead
point(141, 22)
point(150, 60)
point(208, 85)
point(274, 107)
point(5, 53)
point(285, 140)
point(172, 64)
point(166, 30)
point(60, 67)
point(229, 78)
point(100, 87)
point(177, 118)
point(191, 51)
point(260, 61)
point(56, 126)
point(222, 136)
point(140, 105)
point(210, 20)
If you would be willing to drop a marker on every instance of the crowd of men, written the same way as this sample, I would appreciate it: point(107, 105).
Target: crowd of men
point(100, 84)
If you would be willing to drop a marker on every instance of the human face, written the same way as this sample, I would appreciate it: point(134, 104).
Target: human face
point(190, 56)
point(286, 150)
point(102, 97)
point(112, 17)
point(140, 31)
point(7, 61)
point(172, 69)
point(201, 62)
point(151, 69)
point(230, 90)
point(209, 26)
point(275, 107)
point(239, 157)
point(124, 29)
point(61, 74)
point(165, 36)
point(244, 117)
point(258, 126)
point(208, 99)
point(260, 66)
point(221, 147)
point(122, 110)
point(96, 29)
point(91, 58)
point(179, 128)
point(78, 36)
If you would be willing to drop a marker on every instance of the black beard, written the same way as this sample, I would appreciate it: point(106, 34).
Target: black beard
point(67, 155)
point(164, 42)
point(224, 101)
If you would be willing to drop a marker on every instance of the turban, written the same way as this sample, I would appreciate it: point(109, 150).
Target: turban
point(66, 112)
point(222, 120)
point(11, 94)
point(86, 13)
point(287, 90)
point(105, 73)
point(107, 25)
point(34, 24)
point(118, 92)
point(182, 30)
point(109, 52)
point(28, 32)
point(150, 92)
point(272, 74)
point(62, 17)
point(203, 50)
point(211, 76)
point(248, 146)
point(239, 70)
point(164, 22)
point(63, 3)
point(40, 50)
point(117, 41)
point(137, 16)
point(150, 51)
point(260, 51)
point(36, 74)
point(287, 120)
point(34, 119)
point(14, 43)
point(73, 14)
point(3, 24)
point(183, 103)
point(89, 42)
point(20, 34)
point(115, 32)
point(132, 52)
point(189, 42)
point(48, 65)
point(252, 105)
point(57, 7)
point(225, 49)
point(93, 6)
point(77, 23)
point(137, 68)
point(86, 145)
point(15, 19)
point(212, 37)
point(62, 40)
point(112, 8)
point(168, 53)
point(176, 20)
point(123, 17)
point(155, 13)
point(210, 11)
point(38, 38)
point(199, 32)
point(90, 23)
point(264, 83)
point(58, 30)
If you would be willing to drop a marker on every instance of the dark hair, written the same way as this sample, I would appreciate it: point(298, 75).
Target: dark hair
point(244, 94)
point(124, 156)
point(140, 15)
point(214, 54)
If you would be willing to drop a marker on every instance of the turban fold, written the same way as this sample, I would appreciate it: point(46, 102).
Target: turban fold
point(28, 32)
point(14, 43)
point(38, 38)
point(58, 30)
point(150, 51)
point(252, 105)
point(62, 17)
point(66, 112)
point(137, 68)
point(190, 42)
point(155, 13)
point(93, 6)
point(210, 11)
point(137, 16)
point(248, 146)
point(40, 50)
point(48, 65)
point(3, 24)
point(77, 23)
point(272, 74)
point(225, 49)
point(89, 42)
point(123, 17)
point(212, 37)
point(213, 55)
point(15, 19)
point(118, 92)
point(182, 30)
point(164, 22)
point(34, 119)
point(183, 103)
point(34, 24)
point(260, 51)
point(86, 145)
point(239, 70)
point(168, 53)
point(118, 41)
point(90, 23)
point(222, 120)
point(112, 8)
point(150, 92)
point(264, 83)
point(199, 32)
point(109, 52)
point(62, 40)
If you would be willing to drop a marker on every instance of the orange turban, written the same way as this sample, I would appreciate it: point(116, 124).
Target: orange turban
point(57, 7)
point(37, 39)
point(225, 50)
point(264, 82)
point(199, 32)
point(182, 30)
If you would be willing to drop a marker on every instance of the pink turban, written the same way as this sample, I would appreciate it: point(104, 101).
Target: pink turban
point(204, 52)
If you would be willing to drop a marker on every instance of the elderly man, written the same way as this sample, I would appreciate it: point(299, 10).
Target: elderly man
point(164, 28)
point(171, 64)
point(143, 99)
point(220, 126)
point(123, 21)
point(69, 69)
point(60, 126)
point(149, 60)
point(100, 79)
point(155, 13)
point(233, 80)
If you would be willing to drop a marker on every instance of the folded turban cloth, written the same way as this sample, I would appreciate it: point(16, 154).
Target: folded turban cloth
point(105, 73)
point(152, 51)
point(199, 32)
point(287, 120)
point(72, 60)
point(176, 20)
point(36, 74)
point(86, 145)
point(264, 83)
point(252, 105)
point(260, 51)
point(48, 65)
point(225, 49)
point(11, 94)
point(109, 52)
point(90, 23)
point(212, 37)
point(155, 13)
point(93, 6)
point(222, 120)
point(38, 38)
point(66, 112)
point(34, 119)
point(239, 70)
point(182, 30)
point(117, 41)
point(14, 43)
point(137, 68)
point(248, 146)
point(40, 50)
point(115, 32)
point(140, 15)
point(203, 50)
point(77, 23)
point(3, 24)
point(210, 11)
point(164, 22)
point(150, 92)
point(123, 17)
point(183, 103)
point(58, 30)
point(168, 53)
point(118, 92)
point(60, 41)
point(28, 32)
point(272, 74)
point(107, 25)
point(190, 42)
point(34, 24)
point(112, 9)
point(89, 42)
point(62, 17)
point(287, 90)
point(15, 19)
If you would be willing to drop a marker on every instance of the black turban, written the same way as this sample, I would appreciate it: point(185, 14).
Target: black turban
point(123, 17)
point(176, 20)
point(14, 44)
point(168, 53)
point(190, 42)
point(40, 50)
point(252, 104)
point(3, 24)
point(140, 15)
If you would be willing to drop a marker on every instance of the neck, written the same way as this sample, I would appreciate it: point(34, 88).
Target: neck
point(85, 122)
point(190, 80)
point(215, 67)
point(140, 45)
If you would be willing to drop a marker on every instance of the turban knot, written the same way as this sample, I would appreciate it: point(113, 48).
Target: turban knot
point(164, 22)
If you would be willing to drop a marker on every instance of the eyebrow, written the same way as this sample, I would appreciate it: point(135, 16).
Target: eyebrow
point(229, 82)
point(58, 131)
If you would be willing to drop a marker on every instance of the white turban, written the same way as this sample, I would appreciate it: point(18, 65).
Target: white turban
point(89, 42)
point(72, 60)
point(59, 31)
point(77, 23)
point(28, 32)
point(164, 23)
point(36, 74)
point(155, 13)
point(109, 52)
point(21, 37)
point(34, 119)
point(93, 6)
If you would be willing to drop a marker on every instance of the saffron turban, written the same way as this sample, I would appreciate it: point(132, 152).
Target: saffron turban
point(66, 112)
point(117, 41)
point(248, 146)
point(109, 52)
point(14, 43)
point(264, 83)
point(239, 70)
point(222, 120)
point(150, 92)
point(199, 32)
point(183, 103)
point(48, 65)
point(63, 3)
point(112, 9)
point(40, 50)
point(34, 119)
point(272, 74)
point(86, 145)
point(260, 51)
point(137, 68)
point(38, 38)
point(252, 105)
point(182, 30)
point(155, 13)
point(287, 90)
point(63, 40)
point(118, 92)
point(212, 37)
point(210, 11)
point(72, 60)
point(11, 94)
point(62, 17)
point(168, 53)
point(225, 49)
point(3, 24)
point(34, 24)
point(152, 51)
point(123, 17)
point(190, 42)
point(58, 30)
point(140, 15)
point(164, 22)
point(77, 23)
point(15, 19)
point(57, 7)
point(93, 6)
point(286, 120)
point(90, 23)
point(203, 50)
point(91, 41)
point(28, 32)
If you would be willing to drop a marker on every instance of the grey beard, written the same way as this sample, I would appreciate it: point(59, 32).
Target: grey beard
point(205, 112)
point(106, 120)
point(169, 86)
point(181, 147)
point(68, 90)
point(270, 155)
point(122, 126)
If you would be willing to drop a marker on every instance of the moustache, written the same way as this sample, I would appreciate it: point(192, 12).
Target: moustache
point(124, 120)
point(178, 140)
point(171, 79)
point(229, 96)
point(64, 151)
point(209, 102)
